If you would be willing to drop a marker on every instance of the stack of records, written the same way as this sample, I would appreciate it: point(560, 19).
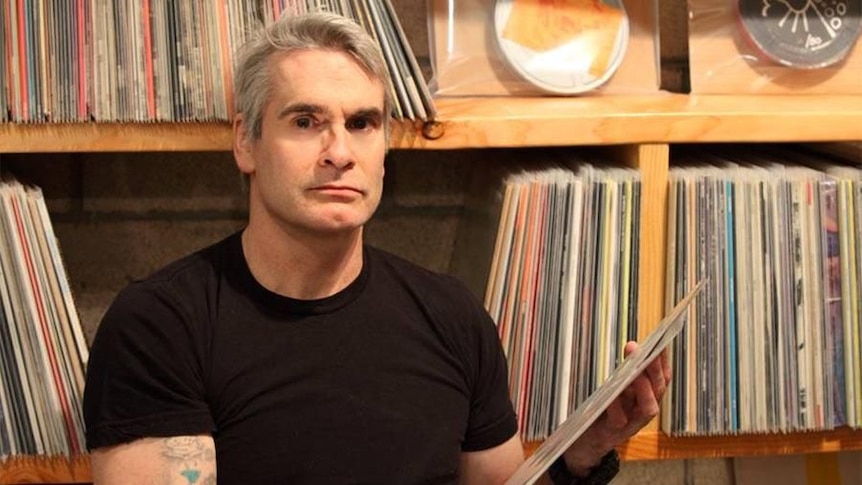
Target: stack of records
point(562, 286)
point(43, 352)
point(775, 343)
point(161, 60)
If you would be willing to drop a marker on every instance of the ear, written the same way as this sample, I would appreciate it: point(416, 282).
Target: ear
point(242, 145)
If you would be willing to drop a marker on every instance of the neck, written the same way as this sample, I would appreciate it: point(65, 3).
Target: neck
point(304, 267)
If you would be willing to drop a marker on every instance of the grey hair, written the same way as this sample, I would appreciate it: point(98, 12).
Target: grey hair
point(313, 30)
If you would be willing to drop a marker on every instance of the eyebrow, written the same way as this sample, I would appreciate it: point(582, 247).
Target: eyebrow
point(318, 109)
point(368, 113)
point(300, 108)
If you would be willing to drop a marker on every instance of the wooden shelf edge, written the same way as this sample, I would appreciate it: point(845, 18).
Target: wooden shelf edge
point(511, 122)
point(658, 118)
point(113, 137)
point(647, 445)
point(143, 137)
point(42, 469)
point(655, 445)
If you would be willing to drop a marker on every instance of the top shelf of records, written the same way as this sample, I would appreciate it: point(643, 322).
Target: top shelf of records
point(505, 122)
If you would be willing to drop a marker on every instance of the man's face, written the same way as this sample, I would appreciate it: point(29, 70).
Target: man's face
point(318, 165)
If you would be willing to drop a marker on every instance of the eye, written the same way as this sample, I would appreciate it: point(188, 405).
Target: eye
point(357, 124)
point(361, 123)
point(304, 122)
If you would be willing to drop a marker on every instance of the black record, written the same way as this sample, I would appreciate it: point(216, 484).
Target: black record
point(803, 34)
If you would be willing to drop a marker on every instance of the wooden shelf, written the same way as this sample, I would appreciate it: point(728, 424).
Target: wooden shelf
point(655, 445)
point(661, 118)
point(648, 445)
point(507, 122)
point(114, 137)
point(30, 469)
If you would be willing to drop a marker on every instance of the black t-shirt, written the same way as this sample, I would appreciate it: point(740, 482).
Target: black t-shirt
point(385, 382)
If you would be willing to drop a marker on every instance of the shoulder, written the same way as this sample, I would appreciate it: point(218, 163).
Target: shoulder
point(203, 263)
point(434, 285)
point(188, 272)
point(178, 292)
point(445, 303)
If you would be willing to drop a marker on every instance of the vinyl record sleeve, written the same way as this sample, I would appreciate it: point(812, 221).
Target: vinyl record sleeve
point(587, 413)
point(555, 55)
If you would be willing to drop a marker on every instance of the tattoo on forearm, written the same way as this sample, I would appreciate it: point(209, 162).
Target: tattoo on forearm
point(190, 454)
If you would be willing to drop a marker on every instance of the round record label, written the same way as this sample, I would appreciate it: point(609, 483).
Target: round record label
point(804, 34)
point(562, 46)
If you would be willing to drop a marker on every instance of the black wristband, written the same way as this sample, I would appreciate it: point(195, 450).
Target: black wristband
point(601, 474)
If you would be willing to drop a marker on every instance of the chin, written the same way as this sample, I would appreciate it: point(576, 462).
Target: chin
point(340, 224)
point(336, 218)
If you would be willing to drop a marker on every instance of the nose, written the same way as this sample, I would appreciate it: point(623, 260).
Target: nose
point(337, 147)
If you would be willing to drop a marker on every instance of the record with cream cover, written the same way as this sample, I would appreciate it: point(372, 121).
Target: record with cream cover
point(802, 34)
point(562, 46)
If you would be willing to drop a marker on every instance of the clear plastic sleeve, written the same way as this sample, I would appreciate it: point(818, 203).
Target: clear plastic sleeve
point(533, 47)
point(775, 46)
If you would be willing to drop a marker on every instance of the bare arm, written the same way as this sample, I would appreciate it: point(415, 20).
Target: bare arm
point(178, 460)
point(492, 466)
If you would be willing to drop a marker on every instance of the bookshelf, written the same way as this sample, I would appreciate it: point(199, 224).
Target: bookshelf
point(507, 122)
point(639, 130)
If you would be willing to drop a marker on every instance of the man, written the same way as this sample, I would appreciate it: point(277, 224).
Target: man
point(291, 353)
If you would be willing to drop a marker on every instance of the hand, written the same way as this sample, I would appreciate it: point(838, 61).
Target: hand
point(627, 414)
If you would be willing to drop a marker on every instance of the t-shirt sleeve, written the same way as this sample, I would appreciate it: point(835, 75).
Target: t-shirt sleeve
point(145, 375)
point(492, 419)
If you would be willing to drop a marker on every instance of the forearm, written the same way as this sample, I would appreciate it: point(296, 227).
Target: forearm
point(181, 460)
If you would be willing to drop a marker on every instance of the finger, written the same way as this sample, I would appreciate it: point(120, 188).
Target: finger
point(665, 365)
point(615, 415)
point(630, 347)
point(655, 372)
point(629, 396)
point(647, 404)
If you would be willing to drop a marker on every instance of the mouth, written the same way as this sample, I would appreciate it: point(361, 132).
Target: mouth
point(337, 190)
